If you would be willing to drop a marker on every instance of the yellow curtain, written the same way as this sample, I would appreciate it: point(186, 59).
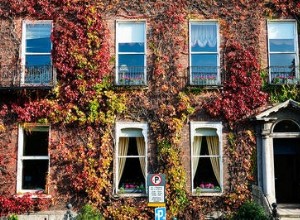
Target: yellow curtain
point(140, 143)
point(123, 149)
point(196, 153)
point(213, 149)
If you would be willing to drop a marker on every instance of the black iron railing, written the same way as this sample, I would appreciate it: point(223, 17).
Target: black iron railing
point(13, 76)
point(131, 75)
point(204, 76)
point(284, 74)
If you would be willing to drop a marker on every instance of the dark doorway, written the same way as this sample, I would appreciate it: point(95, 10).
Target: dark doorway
point(287, 169)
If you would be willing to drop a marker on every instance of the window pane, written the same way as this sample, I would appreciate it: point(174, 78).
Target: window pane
point(203, 38)
point(286, 126)
point(282, 45)
point(131, 60)
point(132, 147)
point(131, 47)
point(282, 60)
point(281, 30)
point(38, 60)
point(36, 143)
point(205, 176)
point(34, 174)
point(132, 178)
point(204, 60)
point(38, 38)
point(131, 32)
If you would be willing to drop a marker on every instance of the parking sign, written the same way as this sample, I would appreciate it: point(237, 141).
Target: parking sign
point(156, 190)
point(160, 213)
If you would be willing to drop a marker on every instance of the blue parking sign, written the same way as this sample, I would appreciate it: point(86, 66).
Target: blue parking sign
point(160, 213)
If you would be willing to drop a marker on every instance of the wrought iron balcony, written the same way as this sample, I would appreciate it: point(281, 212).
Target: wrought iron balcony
point(204, 76)
point(18, 76)
point(131, 75)
point(284, 75)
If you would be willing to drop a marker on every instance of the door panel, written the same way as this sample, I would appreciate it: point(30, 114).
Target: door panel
point(287, 170)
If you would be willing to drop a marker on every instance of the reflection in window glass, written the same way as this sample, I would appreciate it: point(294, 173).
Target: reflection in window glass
point(37, 52)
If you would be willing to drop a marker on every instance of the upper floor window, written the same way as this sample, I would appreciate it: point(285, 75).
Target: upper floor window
point(131, 53)
point(36, 53)
point(33, 159)
point(283, 51)
point(206, 157)
point(204, 53)
point(131, 158)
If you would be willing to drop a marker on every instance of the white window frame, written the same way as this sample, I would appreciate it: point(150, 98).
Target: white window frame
point(131, 53)
point(23, 48)
point(194, 125)
point(21, 157)
point(296, 52)
point(118, 133)
point(202, 22)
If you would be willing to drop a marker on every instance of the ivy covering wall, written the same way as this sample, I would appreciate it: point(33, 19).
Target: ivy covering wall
point(85, 104)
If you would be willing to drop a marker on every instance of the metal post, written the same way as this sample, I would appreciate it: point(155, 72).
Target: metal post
point(69, 215)
point(274, 211)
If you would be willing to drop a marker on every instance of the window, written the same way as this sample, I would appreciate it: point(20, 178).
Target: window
point(131, 158)
point(206, 157)
point(204, 53)
point(131, 47)
point(36, 52)
point(283, 51)
point(33, 158)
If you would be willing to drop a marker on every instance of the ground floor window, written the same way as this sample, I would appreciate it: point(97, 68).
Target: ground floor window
point(131, 159)
point(33, 158)
point(206, 157)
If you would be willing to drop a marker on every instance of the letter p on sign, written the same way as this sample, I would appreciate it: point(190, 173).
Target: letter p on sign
point(160, 213)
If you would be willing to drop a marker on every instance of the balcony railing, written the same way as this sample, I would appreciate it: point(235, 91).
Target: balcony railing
point(284, 75)
point(131, 75)
point(20, 76)
point(205, 76)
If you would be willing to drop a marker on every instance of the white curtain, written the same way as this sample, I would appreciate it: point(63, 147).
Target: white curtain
point(213, 149)
point(196, 153)
point(140, 143)
point(123, 149)
point(203, 35)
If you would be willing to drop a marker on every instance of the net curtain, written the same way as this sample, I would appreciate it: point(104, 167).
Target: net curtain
point(203, 35)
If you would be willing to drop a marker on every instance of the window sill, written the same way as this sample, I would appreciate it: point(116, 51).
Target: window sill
point(208, 192)
point(130, 195)
point(33, 194)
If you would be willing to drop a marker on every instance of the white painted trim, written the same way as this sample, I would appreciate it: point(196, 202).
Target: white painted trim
point(194, 125)
point(20, 156)
point(118, 134)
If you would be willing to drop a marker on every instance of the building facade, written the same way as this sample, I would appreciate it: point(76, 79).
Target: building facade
point(95, 96)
